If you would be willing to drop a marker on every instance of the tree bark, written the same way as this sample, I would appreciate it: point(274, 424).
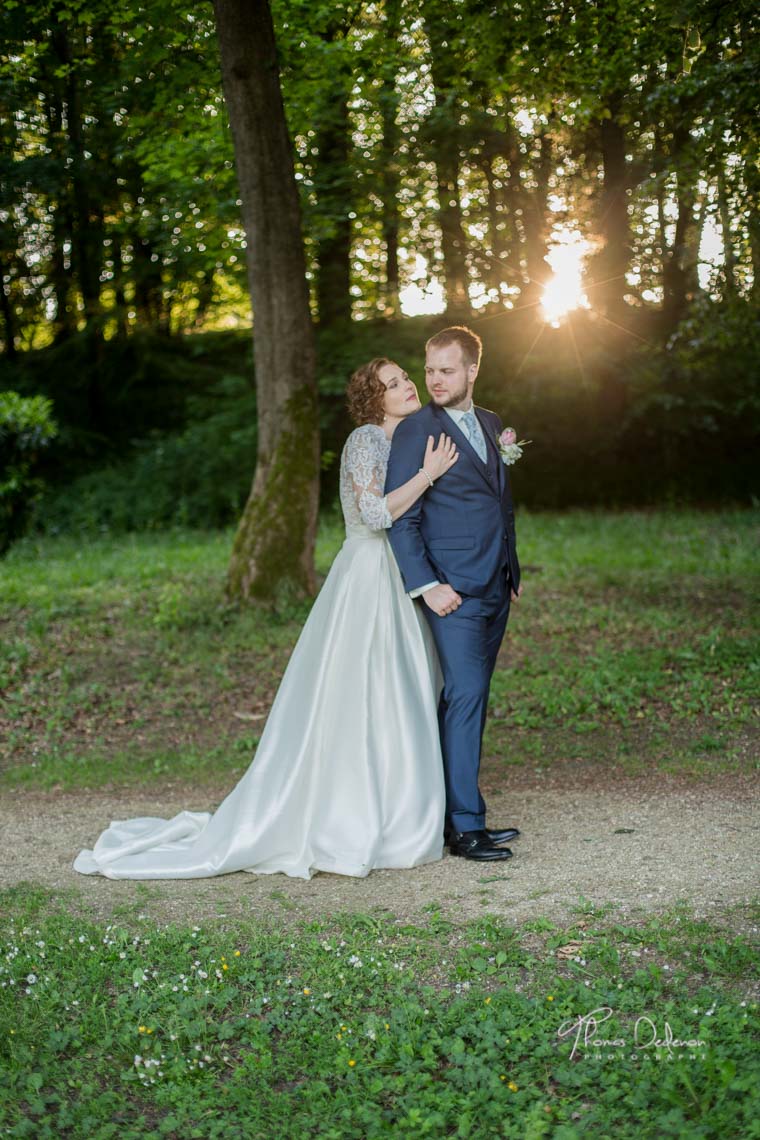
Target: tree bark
point(274, 544)
point(390, 174)
point(680, 281)
point(334, 181)
point(535, 223)
point(513, 205)
point(729, 255)
point(87, 237)
point(62, 223)
point(608, 268)
point(9, 320)
point(445, 133)
point(333, 185)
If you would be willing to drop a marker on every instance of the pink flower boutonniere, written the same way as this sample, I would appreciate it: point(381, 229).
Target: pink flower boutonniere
point(510, 448)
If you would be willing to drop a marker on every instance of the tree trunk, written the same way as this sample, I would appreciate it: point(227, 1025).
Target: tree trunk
point(608, 268)
point(148, 284)
point(9, 320)
point(680, 282)
point(390, 174)
point(752, 182)
point(62, 226)
point(494, 269)
point(274, 545)
point(121, 307)
point(513, 204)
point(333, 185)
point(87, 237)
point(453, 243)
point(334, 181)
point(445, 134)
point(535, 224)
point(729, 256)
point(205, 297)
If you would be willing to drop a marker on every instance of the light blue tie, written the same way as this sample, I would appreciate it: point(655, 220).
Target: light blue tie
point(474, 434)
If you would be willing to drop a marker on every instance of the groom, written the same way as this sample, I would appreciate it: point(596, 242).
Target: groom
point(456, 549)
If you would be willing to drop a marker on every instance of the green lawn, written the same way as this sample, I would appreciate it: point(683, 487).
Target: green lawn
point(361, 1028)
point(635, 644)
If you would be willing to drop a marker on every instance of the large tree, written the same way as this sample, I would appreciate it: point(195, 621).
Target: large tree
point(274, 544)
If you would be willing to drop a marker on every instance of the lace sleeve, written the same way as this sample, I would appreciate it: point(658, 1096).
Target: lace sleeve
point(366, 460)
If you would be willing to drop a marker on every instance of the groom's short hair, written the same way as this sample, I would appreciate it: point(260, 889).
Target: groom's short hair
point(469, 342)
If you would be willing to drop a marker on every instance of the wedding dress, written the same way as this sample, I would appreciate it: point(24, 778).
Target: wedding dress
point(348, 773)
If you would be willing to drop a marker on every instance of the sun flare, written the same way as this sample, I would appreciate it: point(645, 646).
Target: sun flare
point(563, 291)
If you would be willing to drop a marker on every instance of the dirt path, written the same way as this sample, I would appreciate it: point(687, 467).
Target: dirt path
point(641, 845)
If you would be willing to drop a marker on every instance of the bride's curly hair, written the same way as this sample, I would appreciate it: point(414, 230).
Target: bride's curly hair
point(366, 391)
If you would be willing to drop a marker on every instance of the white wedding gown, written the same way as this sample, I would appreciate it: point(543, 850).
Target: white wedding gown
point(348, 773)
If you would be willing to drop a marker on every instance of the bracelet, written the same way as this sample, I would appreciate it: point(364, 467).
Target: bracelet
point(427, 476)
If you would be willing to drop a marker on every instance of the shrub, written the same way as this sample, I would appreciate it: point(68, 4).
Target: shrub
point(26, 427)
point(198, 477)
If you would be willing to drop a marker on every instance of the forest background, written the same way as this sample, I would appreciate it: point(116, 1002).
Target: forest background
point(577, 181)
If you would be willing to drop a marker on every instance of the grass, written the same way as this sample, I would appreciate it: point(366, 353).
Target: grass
point(361, 1027)
point(635, 644)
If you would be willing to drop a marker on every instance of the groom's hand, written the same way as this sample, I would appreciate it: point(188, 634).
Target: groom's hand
point(516, 595)
point(442, 599)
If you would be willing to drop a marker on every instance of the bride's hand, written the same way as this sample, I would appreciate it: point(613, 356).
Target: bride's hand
point(438, 459)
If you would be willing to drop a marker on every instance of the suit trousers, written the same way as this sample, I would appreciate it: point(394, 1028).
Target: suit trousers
point(468, 643)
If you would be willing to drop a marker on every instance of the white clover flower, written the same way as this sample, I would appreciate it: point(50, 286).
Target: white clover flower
point(31, 979)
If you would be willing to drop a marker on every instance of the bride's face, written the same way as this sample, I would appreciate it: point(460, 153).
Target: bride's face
point(401, 397)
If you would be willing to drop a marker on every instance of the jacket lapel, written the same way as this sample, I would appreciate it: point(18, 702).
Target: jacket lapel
point(496, 463)
point(494, 459)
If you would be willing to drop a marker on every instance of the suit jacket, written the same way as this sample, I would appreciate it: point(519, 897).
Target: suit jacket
point(462, 530)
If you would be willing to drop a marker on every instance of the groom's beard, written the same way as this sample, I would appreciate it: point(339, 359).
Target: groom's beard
point(449, 398)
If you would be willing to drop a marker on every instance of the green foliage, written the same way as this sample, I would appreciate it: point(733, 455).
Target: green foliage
point(199, 476)
point(361, 1029)
point(693, 411)
point(26, 428)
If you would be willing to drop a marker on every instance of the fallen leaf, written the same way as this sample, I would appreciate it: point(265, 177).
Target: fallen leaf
point(571, 950)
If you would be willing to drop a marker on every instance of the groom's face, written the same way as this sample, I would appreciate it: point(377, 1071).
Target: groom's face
point(449, 380)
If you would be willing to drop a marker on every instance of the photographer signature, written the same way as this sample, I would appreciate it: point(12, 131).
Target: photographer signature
point(584, 1031)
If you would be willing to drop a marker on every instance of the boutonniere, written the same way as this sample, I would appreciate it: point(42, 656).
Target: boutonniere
point(510, 448)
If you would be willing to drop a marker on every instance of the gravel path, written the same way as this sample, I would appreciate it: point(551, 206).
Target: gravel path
point(639, 844)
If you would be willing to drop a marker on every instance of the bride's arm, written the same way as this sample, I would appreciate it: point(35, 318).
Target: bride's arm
point(437, 460)
point(366, 468)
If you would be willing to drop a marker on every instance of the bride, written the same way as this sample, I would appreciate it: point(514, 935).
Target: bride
point(348, 773)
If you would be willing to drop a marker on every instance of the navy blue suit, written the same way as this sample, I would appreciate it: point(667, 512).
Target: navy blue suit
point(461, 531)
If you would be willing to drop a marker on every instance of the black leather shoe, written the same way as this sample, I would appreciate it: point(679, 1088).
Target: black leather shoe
point(505, 835)
point(477, 845)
